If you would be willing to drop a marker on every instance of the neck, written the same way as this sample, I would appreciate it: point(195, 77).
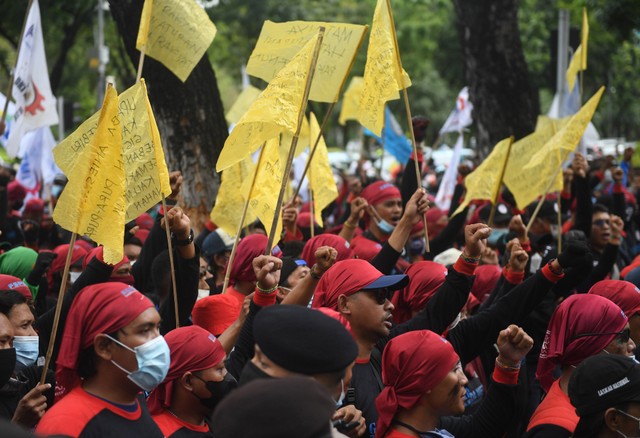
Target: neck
point(185, 410)
point(377, 232)
point(564, 379)
point(418, 417)
point(364, 348)
point(124, 393)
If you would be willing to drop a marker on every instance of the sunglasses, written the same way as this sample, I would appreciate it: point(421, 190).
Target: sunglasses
point(380, 295)
point(602, 222)
point(624, 335)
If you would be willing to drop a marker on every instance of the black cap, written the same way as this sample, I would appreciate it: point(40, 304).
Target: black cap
point(292, 407)
point(289, 264)
point(548, 211)
point(604, 381)
point(303, 340)
point(217, 242)
point(502, 214)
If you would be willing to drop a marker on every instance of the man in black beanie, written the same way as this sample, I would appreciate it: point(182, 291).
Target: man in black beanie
point(605, 390)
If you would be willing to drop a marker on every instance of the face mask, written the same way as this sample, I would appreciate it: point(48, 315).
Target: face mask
point(218, 390)
point(341, 398)
point(27, 348)
point(554, 231)
point(153, 362)
point(212, 283)
point(7, 364)
point(385, 226)
point(456, 321)
point(73, 276)
point(416, 246)
point(203, 293)
point(252, 372)
point(126, 279)
point(630, 416)
point(496, 236)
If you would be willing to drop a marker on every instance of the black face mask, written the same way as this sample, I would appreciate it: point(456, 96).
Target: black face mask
point(213, 287)
point(251, 372)
point(7, 364)
point(218, 390)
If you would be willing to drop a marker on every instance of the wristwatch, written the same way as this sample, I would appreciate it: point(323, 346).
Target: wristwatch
point(184, 242)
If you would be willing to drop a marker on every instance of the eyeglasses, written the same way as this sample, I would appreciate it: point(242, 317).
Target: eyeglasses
point(380, 295)
point(624, 335)
point(602, 222)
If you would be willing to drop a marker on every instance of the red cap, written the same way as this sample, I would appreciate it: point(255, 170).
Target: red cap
point(145, 221)
point(625, 294)
point(379, 192)
point(9, 282)
point(425, 278)
point(336, 242)
point(364, 249)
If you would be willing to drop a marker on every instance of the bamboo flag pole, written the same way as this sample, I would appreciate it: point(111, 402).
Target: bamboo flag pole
point(13, 72)
point(227, 274)
point(539, 206)
point(311, 212)
point(495, 198)
point(173, 270)
point(408, 110)
point(326, 118)
point(141, 63)
point(559, 223)
point(56, 317)
point(294, 141)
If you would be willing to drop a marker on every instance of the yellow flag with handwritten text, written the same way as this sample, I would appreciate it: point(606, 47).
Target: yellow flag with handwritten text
point(321, 178)
point(534, 165)
point(264, 196)
point(383, 75)
point(178, 33)
point(279, 42)
point(92, 203)
point(242, 104)
point(351, 100)
point(484, 182)
point(276, 110)
point(227, 211)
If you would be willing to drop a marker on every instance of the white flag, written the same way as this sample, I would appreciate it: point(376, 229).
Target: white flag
point(35, 103)
point(448, 183)
point(8, 120)
point(460, 117)
point(37, 165)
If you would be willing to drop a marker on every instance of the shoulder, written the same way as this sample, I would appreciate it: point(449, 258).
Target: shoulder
point(166, 422)
point(70, 415)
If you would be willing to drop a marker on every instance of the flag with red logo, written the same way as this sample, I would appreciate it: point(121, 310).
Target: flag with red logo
point(35, 103)
point(460, 117)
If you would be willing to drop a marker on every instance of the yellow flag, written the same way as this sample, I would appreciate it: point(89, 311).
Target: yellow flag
point(264, 196)
point(304, 140)
point(92, 203)
point(227, 211)
point(276, 110)
point(484, 181)
point(584, 37)
point(383, 75)
point(145, 22)
point(320, 174)
point(279, 42)
point(179, 34)
point(242, 104)
point(351, 100)
point(574, 67)
point(534, 164)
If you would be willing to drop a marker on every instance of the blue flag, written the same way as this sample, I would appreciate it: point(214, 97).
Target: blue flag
point(395, 141)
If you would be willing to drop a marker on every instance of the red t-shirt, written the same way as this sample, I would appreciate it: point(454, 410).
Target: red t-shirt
point(173, 426)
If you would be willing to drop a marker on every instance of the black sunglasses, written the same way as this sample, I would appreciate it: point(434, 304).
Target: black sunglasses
point(380, 295)
point(624, 335)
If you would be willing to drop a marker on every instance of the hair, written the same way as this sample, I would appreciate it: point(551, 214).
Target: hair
point(9, 299)
point(600, 208)
point(88, 360)
point(590, 425)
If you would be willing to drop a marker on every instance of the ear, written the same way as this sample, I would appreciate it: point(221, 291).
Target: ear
point(612, 419)
point(187, 381)
point(104, 347)
point(343, 305)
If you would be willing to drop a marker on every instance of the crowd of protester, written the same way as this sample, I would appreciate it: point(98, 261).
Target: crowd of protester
point(522, 327)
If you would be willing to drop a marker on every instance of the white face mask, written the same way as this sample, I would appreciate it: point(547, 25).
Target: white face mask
point(27, 348)
point(341, 398)
point(73, 276)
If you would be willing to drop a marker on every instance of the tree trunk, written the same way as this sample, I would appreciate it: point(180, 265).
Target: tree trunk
point(505, 101)
point(190, 116)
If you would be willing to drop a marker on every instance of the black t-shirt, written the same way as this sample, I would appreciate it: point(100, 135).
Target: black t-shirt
point(366, 381)
point(173, 427)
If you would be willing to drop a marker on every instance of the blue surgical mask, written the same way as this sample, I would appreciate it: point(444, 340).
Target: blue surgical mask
point(385, 226)
point(27, 348)
point(153, 362)
point(496, 236)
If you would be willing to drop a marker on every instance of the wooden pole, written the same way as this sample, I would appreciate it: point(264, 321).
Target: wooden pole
point(326, 118)
point(405, 96)
point(141, 63)
point(173, 269)
point(240, 225)
point(497, 194)
point(13, 72)
point(294, 141)
point(559, 222)
point(56, 317)
point(311, 211)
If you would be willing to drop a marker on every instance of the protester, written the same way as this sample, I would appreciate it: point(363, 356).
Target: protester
point(216, 249)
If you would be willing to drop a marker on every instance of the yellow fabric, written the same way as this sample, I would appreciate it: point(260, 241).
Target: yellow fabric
point(276, 110)
point(264, 196)
point(484, 181)
point(574, 67)
point(145, 21)
point(304, 139)
point(279, 42)
point(92, 203)
point(535, 159)
point(180, 32)
point(382, 72)
point(351, 100)
point(321, 178)
point(227, 211)
point(242, 104)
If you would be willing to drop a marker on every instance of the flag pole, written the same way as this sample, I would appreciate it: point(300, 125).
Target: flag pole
point(495, 198)
point(56, 317)
point(294, 140)
point(13, 72)
point(327, 116)
point(405, 96)
point(559, 223)
point(227, 274)
point(173, 270)
point(312, 223)
point(141, 62)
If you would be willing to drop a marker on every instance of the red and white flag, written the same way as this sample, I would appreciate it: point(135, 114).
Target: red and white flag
point(35, 103)
point(460, 117)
